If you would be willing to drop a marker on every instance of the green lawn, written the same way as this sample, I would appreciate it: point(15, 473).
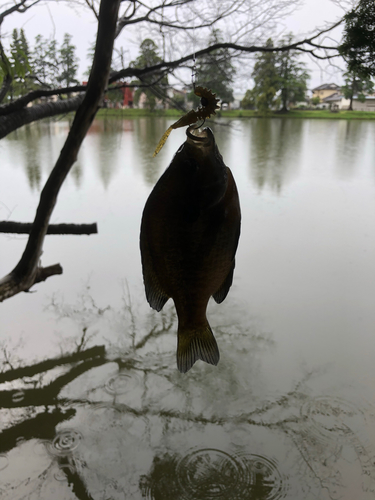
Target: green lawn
point(322, 114)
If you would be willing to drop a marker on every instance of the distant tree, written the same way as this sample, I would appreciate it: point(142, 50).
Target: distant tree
point(53, 61)
point(358, 47)
point(215, 71)
point(266, 79)
point(315, 100)
point(248, 102)
point(157, 82)
point(44, 61)
point(292, 76)
point(357, 85)
point(68, 62)
point(90, 58)
point(39, 58)
point(20, 61)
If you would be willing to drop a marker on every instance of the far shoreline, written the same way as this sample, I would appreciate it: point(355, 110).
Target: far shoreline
point(242, 113)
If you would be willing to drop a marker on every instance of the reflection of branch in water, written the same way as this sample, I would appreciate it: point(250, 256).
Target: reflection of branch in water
point(128, 307)
point(156, 330)
point(79, 488)
point(43, 427)
point(48, 364)
point(47, 395)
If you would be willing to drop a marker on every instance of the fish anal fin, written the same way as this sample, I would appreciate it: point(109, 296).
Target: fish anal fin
point(155, 296)
point(194, 344)
point(220, 295)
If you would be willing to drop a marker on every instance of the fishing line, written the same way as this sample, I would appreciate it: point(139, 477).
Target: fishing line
point(194, 75)
point(194, 68)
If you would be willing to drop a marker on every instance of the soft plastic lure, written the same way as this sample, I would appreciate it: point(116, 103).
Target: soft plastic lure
point(208, 107)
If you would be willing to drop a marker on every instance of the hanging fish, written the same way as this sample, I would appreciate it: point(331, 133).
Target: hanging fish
point(189, 236)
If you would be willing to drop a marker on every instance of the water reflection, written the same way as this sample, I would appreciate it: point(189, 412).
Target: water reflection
point(148, 133)
point(30, 137)
point(350, 140)
point(275, 147)
point(121, 422)
point(289, 411)
point(107, 135)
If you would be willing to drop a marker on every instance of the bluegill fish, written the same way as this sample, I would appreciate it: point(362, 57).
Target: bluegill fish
point(189, 236)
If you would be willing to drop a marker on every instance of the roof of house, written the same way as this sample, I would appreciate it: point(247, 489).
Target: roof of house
point(334, 97)
point(337, 97)
point(327, 86)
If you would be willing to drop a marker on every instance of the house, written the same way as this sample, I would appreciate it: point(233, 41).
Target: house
point(236, 104)
point(337, 101)
point(325, 90)
point(368, 105)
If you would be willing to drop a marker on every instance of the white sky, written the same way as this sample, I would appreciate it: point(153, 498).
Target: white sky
point(57, 18)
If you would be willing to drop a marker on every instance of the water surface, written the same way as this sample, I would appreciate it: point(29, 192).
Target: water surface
point(91, 402)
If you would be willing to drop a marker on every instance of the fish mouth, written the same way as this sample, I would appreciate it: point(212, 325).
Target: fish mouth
point(203, 137)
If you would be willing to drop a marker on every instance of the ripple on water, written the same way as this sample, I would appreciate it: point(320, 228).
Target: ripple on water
point(210, 474)
point(334, 421)
point(123, 383)
point(18, 396)
point(65, 442)
point(213, 474)
point(329, 418)
point(265, 477)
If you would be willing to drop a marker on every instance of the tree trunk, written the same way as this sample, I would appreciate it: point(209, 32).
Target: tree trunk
point(24, 274)
point(352, 95)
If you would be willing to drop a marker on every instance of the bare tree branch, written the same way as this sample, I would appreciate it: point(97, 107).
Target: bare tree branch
point(25, 228)
point(27, 115)
point(24, 274)
point(91, 5)
point(24, 100)
point(164, 65)
point(21, 6)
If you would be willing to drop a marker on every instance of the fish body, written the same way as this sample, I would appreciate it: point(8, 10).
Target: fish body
point(189, 236)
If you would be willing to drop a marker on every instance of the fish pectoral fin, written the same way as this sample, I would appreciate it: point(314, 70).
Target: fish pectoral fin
point(220, 295)
point(196, 344)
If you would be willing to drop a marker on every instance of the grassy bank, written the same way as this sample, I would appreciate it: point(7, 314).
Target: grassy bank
point(135, 113)
point(172, 113)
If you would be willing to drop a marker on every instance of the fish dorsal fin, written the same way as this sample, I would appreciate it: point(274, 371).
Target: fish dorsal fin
point(194, 344)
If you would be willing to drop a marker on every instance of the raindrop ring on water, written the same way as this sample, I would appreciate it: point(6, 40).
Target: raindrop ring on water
point(328, 418)
point(65, 442)
point(18, 396)
point(209, 474)
point(265, 475)
point(118, 384)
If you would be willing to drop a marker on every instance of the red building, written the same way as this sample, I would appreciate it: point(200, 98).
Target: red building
point(128, 96)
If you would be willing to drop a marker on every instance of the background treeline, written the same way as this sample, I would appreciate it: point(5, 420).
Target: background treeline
point(46, 64)
point(277, 79)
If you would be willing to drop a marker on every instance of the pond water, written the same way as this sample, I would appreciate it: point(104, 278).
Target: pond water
point(92, 405)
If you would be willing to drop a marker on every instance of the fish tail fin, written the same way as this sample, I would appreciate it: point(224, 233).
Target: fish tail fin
point(194, 344)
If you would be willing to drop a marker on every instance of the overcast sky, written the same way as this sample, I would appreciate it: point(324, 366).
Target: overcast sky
point(56, 19)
